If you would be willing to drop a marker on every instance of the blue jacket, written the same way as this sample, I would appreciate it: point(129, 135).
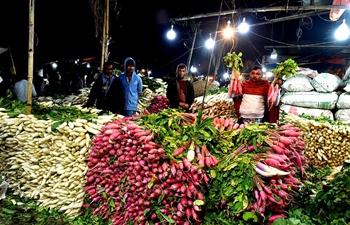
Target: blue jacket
point(132, 90)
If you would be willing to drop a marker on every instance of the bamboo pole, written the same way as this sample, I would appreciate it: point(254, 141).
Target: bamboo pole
point(30, 56)
point(265, 9)
point(103, 37)
point(107, 31)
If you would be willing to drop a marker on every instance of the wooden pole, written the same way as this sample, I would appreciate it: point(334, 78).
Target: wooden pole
point(265, 9)
point(107, 31)
point(30, 56)
point(103, 38)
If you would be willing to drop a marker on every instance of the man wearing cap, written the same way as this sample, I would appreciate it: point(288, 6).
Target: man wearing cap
point(132, 87)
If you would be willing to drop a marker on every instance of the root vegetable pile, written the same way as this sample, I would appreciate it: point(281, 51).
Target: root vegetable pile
point(158, 104)
point(256, 181)
point(131, 180)
point(162, 168)
point(326, 144)
point(44, 165)
point(214, 105)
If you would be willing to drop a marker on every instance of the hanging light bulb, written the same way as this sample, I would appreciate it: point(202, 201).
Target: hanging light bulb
point(243, 27)
point(228, 32)
point(342, 32)
point(171, 33)
point(209, 44)
point(273, 54)
point(54, 65)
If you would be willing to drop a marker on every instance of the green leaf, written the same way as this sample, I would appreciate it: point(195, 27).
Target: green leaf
point(212, 173)
point(198, 202)
point(150, 184)
point(250, 216)
point(8, 211)
point(111, 203)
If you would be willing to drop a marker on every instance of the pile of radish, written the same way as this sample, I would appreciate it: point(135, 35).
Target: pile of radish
point(131, 180)
point(222, 123)
point(273, 169)
point(281, 171)
point(193, 169)
point(158, 104)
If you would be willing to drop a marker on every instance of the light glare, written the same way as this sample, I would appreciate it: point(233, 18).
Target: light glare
point(209, 44)
point(342, 33)
point(243, 27)
point(171, 33)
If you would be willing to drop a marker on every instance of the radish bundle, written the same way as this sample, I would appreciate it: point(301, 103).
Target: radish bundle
point(158, 104)
point(131, 180)
point(284, 69)
point(255, 182)
point(235, 88)
point(222, 124)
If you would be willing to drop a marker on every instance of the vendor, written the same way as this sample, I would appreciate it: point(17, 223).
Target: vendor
point(252, 105)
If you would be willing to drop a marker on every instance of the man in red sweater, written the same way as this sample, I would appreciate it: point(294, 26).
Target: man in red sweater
point(251, 107)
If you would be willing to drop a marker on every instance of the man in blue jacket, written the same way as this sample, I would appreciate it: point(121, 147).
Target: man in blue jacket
point(132, 85)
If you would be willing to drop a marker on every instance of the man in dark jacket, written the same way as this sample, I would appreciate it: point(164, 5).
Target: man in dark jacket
point(108, 91)
point(180, 90)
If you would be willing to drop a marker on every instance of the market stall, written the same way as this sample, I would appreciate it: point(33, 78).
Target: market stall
point(169, 167)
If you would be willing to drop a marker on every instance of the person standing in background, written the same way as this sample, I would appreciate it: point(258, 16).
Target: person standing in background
point(21, 86)
point(143, 72)
point(107, 91)
point(180, 90)
point(132, 87)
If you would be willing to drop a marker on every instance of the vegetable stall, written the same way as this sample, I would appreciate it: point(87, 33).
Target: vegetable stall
point(166, 168)
point(70, 165)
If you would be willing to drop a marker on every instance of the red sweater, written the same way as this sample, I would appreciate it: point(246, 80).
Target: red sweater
point(258, 88)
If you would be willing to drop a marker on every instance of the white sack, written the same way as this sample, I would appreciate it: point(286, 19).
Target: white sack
point(308, 111)
point(301, 71)
point(344, 101)
point(347, 87)
point(326, 82)
point(299, 83)
point(343, 115)
point(311, 99)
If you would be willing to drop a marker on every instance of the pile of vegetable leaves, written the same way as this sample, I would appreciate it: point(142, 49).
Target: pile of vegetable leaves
point(59, 114)
point(322, 201)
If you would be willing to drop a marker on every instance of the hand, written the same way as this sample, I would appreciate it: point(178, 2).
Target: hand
point(184, 105)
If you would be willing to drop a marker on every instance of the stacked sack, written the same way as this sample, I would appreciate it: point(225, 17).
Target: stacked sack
point(310, 93)
point(343, 104)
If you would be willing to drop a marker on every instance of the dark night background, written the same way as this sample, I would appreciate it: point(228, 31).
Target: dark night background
point(65, 30)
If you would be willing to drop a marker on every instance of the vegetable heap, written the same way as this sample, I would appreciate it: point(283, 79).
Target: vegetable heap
point(165, 168)
point(158, 104)
point(214, 105)
point(327, 141)
point(131, 180)
point(45, 165)
point(255, 183)
point(142, 172)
